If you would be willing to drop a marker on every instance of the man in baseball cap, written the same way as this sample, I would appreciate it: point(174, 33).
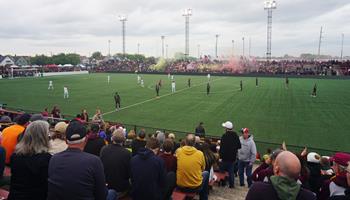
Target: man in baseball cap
point(337, 185)
point(70, 172)
point(228, 150)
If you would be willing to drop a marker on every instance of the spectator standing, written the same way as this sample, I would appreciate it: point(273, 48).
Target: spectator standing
point(97, 118)
point(190, 174)
point(200, 131)
point(84, 115)
point(246, 157)
point(74, 174)
point(56, 113)
point(116, 162)
point(148, 175)
point(29, 164)
point(58, 138)
point(283, 184)
point(139, 142)
point(10, 135)
point(338, 184)
point(229, 146)
point(94, 142)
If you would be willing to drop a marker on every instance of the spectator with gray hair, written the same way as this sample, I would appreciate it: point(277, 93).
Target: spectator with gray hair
point(283, 184)
point(29, 163)
point(116, 162)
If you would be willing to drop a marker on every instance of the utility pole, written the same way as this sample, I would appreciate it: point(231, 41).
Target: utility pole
point(162, 37)
point(166, 50)
point(233, 48)
point(243, 47)
point(342, 46)
point(198, 49)
point(109, 48)
point(216, 45)
point(319, 44)
point(249, 46)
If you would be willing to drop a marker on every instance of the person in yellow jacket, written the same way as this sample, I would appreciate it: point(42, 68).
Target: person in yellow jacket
point(190, 174)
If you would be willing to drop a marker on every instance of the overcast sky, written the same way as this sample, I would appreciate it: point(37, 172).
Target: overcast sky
point(30, 27)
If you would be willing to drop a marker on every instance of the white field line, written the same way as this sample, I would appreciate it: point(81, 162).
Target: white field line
point(165, 95)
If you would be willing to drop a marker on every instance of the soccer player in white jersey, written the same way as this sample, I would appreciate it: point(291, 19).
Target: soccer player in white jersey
point(138, 79)
point(108, 79)
point(173, 85)
point(208, 77)
point(65, 92)
point(50, 85)
point(172, 77)
point(142, 83)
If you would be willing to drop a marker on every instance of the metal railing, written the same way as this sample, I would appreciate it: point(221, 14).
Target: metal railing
point(262, 146)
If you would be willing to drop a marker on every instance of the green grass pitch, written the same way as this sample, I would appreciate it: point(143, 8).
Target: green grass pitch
point(272, 112)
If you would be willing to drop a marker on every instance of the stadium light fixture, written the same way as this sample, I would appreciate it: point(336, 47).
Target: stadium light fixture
point(187, 13)
point(123, 19)
point(269, 5)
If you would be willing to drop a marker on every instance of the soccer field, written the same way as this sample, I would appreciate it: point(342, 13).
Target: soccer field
point(272, 112)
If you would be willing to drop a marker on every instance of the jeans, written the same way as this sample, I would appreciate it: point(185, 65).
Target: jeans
point(228, 167)
point(112, 195)
point(202, 189)
point(248, 172)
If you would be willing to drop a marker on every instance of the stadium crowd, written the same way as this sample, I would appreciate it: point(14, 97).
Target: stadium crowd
point(90, 159)
point(234, 66)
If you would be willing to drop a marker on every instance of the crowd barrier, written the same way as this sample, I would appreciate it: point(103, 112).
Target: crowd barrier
point(262, 146)
point(64, 73)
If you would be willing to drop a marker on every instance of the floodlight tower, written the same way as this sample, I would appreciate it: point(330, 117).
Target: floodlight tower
point(162, 37)
point(123, 19)
point(187, 13)
point(342, 46)
point(216, 45)
point(269, 5)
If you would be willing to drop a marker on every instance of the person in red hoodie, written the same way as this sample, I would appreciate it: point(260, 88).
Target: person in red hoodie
point(337, 185)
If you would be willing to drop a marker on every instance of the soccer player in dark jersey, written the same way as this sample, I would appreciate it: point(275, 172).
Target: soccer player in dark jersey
point(189, 82)
point(117, 101)
point(241, 85)
point(208, 88)
point(160, 83)
point(314, 90)
point(287, 82)
point(256, 82)
point(157, 89)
